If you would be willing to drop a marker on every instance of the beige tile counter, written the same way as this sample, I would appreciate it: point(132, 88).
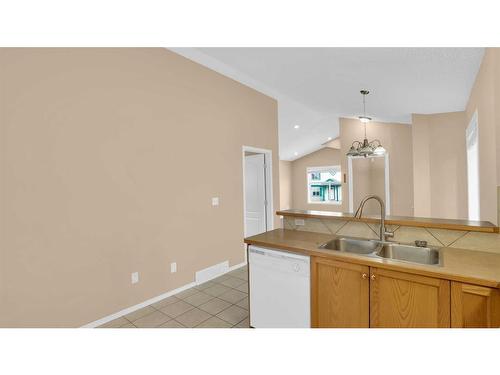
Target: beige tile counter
point(470, 266)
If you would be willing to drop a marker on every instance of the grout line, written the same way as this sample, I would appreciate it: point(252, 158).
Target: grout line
point(342, 226)
point(328, 229)
point(197, 307)
point(369, 226)
point(428, 231)
point(462, 236)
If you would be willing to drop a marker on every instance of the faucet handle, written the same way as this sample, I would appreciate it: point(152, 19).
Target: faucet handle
point(389, 234)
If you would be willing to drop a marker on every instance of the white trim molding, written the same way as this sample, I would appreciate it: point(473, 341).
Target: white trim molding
point(128, 310)
point(268, 160)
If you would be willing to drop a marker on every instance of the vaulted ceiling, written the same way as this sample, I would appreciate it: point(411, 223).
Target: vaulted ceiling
point(316, 86)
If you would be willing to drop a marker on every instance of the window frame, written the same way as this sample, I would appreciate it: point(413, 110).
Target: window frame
point(328, 168)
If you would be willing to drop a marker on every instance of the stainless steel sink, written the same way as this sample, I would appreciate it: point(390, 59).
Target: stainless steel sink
point(408, 253)
point(352, 245)
point(386, 250)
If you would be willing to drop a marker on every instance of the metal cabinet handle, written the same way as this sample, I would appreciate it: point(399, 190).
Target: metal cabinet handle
point(364, 276)
point(372, 277)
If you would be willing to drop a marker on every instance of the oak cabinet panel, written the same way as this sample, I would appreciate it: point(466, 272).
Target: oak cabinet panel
point(474, 306)
point(399, 299)
point(340, 294)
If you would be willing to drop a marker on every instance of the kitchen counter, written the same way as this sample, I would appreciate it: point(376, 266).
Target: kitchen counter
point(465, 225)
point(469, 266)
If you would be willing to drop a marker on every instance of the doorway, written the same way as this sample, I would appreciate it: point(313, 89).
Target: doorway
point(257, 190)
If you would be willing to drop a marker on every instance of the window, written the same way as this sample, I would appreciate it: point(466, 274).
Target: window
point(324, 185)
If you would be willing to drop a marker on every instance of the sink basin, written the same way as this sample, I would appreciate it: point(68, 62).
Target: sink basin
point(352, 245)
point(392, 251)
point(407, 253)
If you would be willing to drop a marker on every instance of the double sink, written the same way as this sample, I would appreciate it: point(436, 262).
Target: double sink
point(386, 250)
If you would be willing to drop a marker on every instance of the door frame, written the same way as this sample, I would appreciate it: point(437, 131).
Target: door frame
point(268, 160)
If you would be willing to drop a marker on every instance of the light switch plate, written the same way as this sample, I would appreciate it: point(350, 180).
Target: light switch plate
point(173, 267)
point(134, 277)
point(215, 201)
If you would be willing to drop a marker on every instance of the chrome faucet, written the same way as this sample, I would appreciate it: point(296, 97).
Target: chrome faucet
point(383, 233)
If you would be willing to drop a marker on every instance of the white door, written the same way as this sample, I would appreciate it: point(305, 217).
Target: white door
point(255, 195)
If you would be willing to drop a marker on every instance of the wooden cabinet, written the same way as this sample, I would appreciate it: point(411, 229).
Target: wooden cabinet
point(339, 294)
point(349, 295)
point(399, 299)
point(474, 306)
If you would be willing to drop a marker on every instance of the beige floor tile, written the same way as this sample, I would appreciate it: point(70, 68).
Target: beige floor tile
point(152, 320)
point(187, 293)
point(214, 322)
point(176, 309)
point(233, 314)
point(165, 302)
point(233, 282)
point(193, 317)
point(129, 325)
point(232, 296)
point(245, 323)
point(133, 316)
point(216, 290)
point(238, 271)
point(219, 279)
point(204, 286)
point(172, 324)
point(243, 275)
point(243, 303)
point(115, 323)
point(214, 306)
point(198, 299)
point(243, 287)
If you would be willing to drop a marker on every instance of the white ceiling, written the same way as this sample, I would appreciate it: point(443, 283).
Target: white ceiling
point(316, 86)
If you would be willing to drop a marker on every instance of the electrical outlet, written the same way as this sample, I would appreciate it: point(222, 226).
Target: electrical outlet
point(173, 267)
point(299, 222)
point(215, 201)
point(134, 277)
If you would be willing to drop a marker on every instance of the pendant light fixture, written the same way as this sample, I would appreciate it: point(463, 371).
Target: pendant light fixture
point(365, 148)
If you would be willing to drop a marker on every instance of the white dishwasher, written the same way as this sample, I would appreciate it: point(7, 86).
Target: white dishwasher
point(279, 289)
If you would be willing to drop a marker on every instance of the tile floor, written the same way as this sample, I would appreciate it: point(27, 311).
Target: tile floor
point(219, 303)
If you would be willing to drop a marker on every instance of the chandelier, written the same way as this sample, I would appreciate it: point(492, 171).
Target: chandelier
point(365, 148)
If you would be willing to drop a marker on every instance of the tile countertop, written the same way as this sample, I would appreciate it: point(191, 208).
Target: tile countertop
point(469, 266)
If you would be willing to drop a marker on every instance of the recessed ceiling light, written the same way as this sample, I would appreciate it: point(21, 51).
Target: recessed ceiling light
point(296, 126)
point(295, 153)
point(329, 138)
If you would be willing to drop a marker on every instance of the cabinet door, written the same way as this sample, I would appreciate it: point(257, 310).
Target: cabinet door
point(340, 294)
point(399, 299)
point(474, 306)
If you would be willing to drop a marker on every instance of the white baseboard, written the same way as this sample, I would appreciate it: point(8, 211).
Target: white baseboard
point(236, 266)
point(211, 272)
point(148, 302)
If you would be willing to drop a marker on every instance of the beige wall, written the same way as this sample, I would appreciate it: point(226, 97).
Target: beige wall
point(397, 140)
point(321, 158)
point(285, 185)
point(485, 98)
point(108, 162)
point(440, 165)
